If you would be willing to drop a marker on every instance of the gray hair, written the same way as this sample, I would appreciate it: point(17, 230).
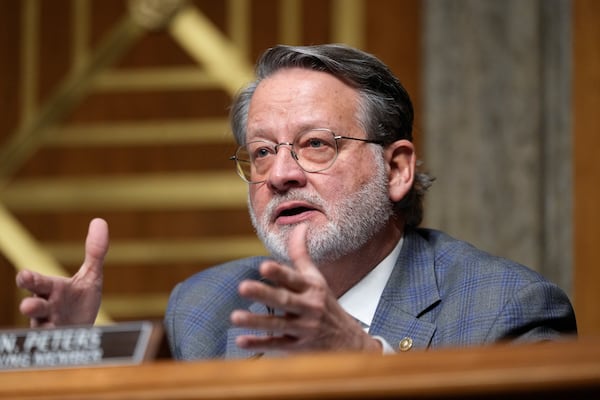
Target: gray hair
point(385, 110)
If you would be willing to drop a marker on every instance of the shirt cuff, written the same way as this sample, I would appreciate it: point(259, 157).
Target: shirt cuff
point(387, 349)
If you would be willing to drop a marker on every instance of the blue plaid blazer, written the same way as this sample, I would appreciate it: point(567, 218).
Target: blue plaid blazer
point(442, 292)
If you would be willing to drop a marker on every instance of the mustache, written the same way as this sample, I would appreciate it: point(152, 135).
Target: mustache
point(294, 195)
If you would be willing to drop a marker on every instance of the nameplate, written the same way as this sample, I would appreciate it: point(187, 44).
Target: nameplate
point(123, 343)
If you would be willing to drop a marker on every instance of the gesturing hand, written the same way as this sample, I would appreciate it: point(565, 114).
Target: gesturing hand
point(65, 301)
point(310, 318)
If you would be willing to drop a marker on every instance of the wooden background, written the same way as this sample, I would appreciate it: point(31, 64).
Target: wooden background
point(147, 148)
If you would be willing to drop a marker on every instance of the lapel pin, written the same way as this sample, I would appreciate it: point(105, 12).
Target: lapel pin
point(405, 344)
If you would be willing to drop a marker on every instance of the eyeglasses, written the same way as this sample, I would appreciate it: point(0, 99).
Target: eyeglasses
point(314, 150)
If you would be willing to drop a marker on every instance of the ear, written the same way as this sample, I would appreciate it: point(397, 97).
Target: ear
point(401, 160)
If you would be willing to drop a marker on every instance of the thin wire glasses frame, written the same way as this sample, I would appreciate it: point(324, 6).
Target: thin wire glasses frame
point(314, 150)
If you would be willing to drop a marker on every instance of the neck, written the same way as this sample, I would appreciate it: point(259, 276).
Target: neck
point(358, 264)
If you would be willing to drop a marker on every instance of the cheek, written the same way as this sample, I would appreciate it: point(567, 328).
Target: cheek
point(337, 188)
point(256, 201)
point(352, 175)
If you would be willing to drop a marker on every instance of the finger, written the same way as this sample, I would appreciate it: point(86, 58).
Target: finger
point(275, 297)
point(288, 324)
point(246, 319)
point(298, 251)
point(35, 308)
point(96, 247)
point(34, 282)
point(264, 343)
point(284, 276)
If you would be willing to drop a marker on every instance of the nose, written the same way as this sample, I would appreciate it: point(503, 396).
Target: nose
point(285, 172)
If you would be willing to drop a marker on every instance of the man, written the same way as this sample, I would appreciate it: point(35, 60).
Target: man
point(325, 137)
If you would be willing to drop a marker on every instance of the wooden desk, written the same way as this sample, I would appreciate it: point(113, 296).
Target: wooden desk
point(552, 370)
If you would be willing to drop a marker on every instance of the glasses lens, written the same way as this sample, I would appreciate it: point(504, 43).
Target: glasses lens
point(243, 164)
point(316, 149)
point(254, 160)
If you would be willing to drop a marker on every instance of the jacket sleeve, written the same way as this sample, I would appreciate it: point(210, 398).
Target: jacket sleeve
point(169, 322)
point(536, 312)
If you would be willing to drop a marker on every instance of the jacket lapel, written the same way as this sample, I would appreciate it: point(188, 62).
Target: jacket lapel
point(409, 294)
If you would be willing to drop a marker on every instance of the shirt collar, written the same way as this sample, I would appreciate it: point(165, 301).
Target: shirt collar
point(362, 299)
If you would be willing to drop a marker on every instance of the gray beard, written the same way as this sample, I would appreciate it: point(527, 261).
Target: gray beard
point(351, 223)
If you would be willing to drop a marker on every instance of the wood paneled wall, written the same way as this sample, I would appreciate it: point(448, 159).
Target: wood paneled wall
point(586, 140)
point(147, 148)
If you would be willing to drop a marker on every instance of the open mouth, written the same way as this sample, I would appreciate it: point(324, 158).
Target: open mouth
point(294, 211)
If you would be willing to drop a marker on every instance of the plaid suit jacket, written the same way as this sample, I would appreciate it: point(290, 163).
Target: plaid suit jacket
point(442, 292)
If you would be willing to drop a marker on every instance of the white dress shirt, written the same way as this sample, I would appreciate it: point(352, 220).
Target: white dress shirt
point(361, 300)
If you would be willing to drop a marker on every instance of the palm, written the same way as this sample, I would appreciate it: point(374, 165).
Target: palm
point(60, 301)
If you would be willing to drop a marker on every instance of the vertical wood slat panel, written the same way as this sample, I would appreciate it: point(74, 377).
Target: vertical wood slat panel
point(394, 34)
point(586, 136)
point(11, 105)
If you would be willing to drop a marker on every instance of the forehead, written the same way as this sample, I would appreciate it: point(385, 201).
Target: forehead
point(296, 97)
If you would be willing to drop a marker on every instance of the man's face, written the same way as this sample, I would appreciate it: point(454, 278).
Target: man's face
point(343, 205)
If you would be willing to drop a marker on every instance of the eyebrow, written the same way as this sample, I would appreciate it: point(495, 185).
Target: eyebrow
point(262, 134)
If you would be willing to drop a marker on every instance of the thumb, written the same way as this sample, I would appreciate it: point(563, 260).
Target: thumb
point(96, 247)
point(298, 250)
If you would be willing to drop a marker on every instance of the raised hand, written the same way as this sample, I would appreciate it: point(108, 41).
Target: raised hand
point(57, 301)
point(309, 317)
